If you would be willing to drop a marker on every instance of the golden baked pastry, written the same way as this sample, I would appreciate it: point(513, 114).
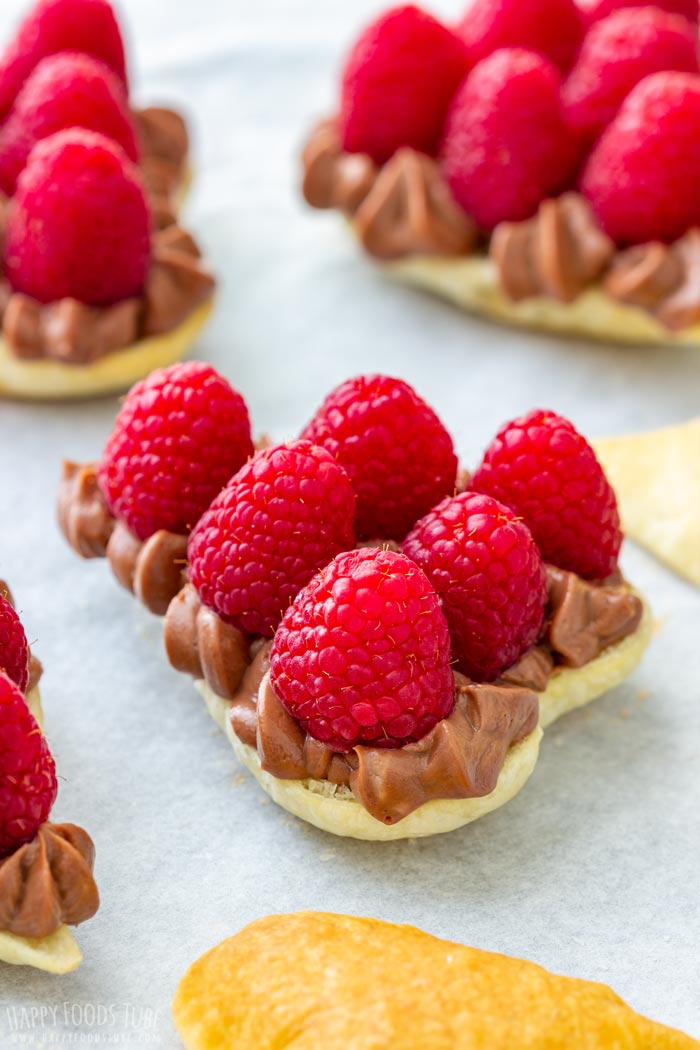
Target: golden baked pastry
point(656, 474)
point(311, 980)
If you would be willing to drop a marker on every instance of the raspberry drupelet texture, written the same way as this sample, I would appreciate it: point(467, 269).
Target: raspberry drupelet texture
point(65, 90)
point(27, 773)
point(79, 225)
point(14, 651)
point(552, 27)
point(179, 437)
point(490, 577)
point(278, 521)
point(60, 25)
point(548, 474)
point(616, 54)
point(396, 452)
point(597, 9)
point(397, 84)
point(363, 654)
point(506, 146)
point(641, 177)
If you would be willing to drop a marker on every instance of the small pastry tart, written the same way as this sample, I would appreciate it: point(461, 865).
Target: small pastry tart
point(514, 170)
point(285, 969)
point(46, 881)
point(100, 284)
point(556, 272)
point(354, 710)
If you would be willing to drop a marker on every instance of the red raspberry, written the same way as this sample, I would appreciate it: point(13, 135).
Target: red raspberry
point(490, 577)
point(506, 146)
point(278, 521)
point(397, 84)
point(60, 25)
point(541, 467)
point(397, 454)
point(65, 90)
point(79, 225)
point(14, 651)
point(363, 654)
point(554, 28)
point(617, 53)
point(27, 773)
point(642, 176)
point(180, 435)
point(594, 10)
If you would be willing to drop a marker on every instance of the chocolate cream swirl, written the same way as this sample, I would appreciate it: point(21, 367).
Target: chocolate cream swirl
point(461, 757)
point(48, 882)
point(153, 570)
point(403, 209)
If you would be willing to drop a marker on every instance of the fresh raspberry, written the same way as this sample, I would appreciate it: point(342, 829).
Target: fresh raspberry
point(179, 437)
point(79, 225)
point(278, 521)
point(60, 25)
point(65, 90)
point(617, 53)
point(397, 84)
point(642, 177)
point(363, 654)
point(506, 146)
point(594, 10)
point(541, 467)
point(14, 651)
point(27, 773)
point(553, 28)
point(490, 577)
point(397, 454)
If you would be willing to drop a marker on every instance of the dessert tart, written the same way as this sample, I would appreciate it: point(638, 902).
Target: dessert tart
point(382, 640)
point(291, 991)
point(545, 178)
point(99, 282)
point(46, 881)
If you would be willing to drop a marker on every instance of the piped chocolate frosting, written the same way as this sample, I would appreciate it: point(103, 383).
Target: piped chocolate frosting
point(48, 882)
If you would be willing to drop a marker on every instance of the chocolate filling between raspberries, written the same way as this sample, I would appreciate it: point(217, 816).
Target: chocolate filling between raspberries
point(178, 282)
point(404, 208)
point(461, 757)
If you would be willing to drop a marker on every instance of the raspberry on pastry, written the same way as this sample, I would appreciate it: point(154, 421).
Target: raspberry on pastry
point(65, 90)
point(179, 436)
point(28, 783)
point(553, 28)
point(506, 145)
point(60, 25)
point(489, 574)
point(283, 516)
point(641, 177)
point(597, 9)
point(397, 84)
point(548, 474)
point(362, 655)
point(396, 452)
point(616, 54)
point(93, 246)
point(14, 650)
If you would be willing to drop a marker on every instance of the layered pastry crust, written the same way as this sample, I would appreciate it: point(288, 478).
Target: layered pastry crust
point(311, 980)
point(556, 271)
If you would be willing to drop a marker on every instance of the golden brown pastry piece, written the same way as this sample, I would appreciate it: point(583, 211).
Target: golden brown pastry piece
point(311, 981)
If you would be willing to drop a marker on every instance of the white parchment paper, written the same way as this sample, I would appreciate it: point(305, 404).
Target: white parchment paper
point(593, 869)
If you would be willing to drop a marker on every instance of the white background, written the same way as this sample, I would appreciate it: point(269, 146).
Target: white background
point(593, 869)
